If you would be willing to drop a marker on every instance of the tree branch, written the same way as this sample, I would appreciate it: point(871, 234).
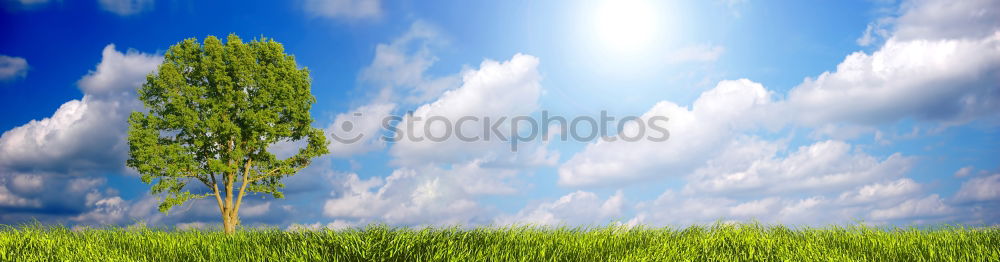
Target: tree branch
point(218, 199)
point(229, 180)
point(243, 187)
point(268, 174)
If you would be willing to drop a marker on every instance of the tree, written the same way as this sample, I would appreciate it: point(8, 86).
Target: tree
point(213, 111)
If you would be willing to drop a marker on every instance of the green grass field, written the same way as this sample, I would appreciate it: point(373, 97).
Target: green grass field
point(719, 242)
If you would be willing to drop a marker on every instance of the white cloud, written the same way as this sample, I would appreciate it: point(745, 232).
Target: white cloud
point(204, 212)
point(9, 199)
point(398, 73)
point(12, 68)
point(48, 197)
point(399, 68)
point(756, 208)
point(576, 208)
point(673, 209)
point(337, 224)
point(696, 134)
point(928, 207)
point(253, 210)
point(696, 53)
point(439, 183)
point(106, 211)
point(936, 20)
point(900, 203)
point(880, 192)
point(822, 167)
point(945, 76)
point(49, 163)
point(979, 189)
point(498, 89)
point(670, 209)
point(119, 72)
point(425, 195)
point(942, 56)
point(126, 7)
point(363, 126)
point(947, 80)
point(27, 183)
point(964, 171)
point(87, 134)
point(944, 19)
point(345, 9)
point(875, 32)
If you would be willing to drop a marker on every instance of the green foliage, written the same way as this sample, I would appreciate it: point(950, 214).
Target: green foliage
point(719, 242)
point(213, 110)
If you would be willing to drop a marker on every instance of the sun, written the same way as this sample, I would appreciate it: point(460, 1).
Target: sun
point(626, 25)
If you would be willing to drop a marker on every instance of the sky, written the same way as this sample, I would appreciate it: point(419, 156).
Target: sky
point(797, 112)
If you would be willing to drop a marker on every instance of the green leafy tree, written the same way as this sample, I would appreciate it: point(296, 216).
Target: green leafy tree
point(213, 110)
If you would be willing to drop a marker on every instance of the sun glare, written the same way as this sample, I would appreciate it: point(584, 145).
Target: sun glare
point(626, 25)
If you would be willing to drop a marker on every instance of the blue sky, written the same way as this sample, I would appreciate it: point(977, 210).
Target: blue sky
point(803, 112)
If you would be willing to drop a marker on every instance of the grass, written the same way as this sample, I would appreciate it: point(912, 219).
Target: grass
point(719, 242)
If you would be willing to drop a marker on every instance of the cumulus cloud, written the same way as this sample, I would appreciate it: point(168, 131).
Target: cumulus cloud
point(104, 212)
point(883, 202)
point(56, 199)
point(441, 182)
point(12, 68)
point(11, 200)
point(881, 192)
point(671, 208)
point(944, 76)
point(126, 7)
point(943, 19)
point(344, 9)
point(696, 134)
point(964, 171)
point(732, 176)
point(577, 208)
point(359, 131)
point(420, 196)
point(119, 73)
point(876, 31)
point(399, 74)
point(198, 213)
point(87, 134)
point(941, 57)
point(949, 79)
point(945, 80)
point(399, 68)
point(928, 207)
point(979, 189)
point(497, 90)
point(824, 166)
point(941, 62)
point(50, 165)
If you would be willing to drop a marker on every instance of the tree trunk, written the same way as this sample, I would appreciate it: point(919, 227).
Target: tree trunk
point(229, 223)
